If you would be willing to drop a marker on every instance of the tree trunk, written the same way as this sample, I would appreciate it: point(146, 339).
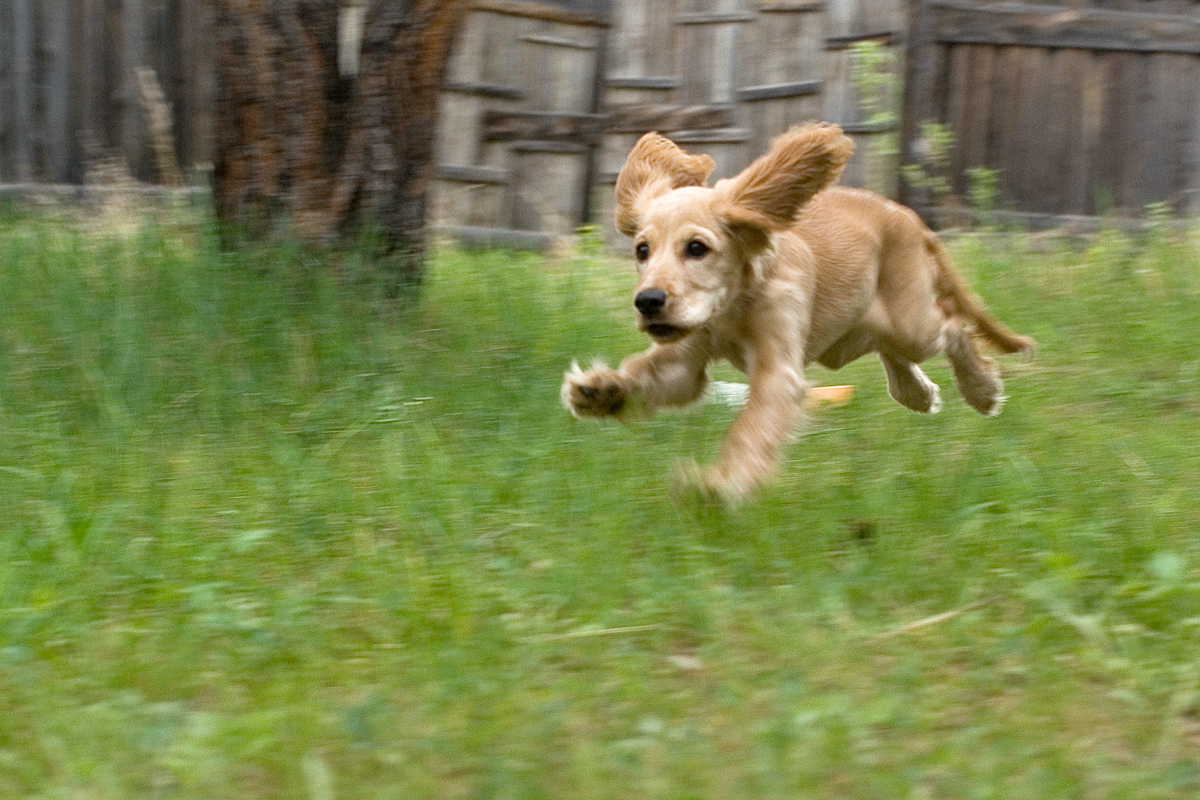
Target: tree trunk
point(305, 150)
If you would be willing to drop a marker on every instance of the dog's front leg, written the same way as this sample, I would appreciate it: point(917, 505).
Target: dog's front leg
point(750, 452)
point(665, 375)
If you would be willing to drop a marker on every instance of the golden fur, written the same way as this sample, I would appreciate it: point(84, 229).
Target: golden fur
point(771, 270)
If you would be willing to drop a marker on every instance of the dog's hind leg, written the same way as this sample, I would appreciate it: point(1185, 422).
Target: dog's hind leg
point(977, 376)
point(909, 386)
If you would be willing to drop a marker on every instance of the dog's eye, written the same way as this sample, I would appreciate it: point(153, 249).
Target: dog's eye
point(696, 249)
point(642, 251)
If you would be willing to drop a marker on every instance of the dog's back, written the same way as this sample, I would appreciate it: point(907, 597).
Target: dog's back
point(871, 250)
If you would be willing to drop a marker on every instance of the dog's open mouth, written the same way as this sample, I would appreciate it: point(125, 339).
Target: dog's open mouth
point(665, 334)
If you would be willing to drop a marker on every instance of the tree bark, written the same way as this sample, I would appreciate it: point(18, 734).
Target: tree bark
point(301, 149)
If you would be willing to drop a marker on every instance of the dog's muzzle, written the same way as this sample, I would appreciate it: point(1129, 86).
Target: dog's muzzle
point(650, 304)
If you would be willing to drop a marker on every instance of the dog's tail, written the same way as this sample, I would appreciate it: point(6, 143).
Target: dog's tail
point(957, 300)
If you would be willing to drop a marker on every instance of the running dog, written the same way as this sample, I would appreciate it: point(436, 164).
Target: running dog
point(771, 270)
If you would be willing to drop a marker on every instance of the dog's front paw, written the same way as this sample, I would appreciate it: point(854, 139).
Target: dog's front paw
point(599, 392)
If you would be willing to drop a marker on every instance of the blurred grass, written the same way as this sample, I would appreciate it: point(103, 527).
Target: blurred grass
point(262, 536)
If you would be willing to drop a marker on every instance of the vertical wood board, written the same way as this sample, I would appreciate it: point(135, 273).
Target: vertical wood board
point(24, 37)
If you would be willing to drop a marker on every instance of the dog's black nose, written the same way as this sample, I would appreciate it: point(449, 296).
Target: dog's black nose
point(650, 301)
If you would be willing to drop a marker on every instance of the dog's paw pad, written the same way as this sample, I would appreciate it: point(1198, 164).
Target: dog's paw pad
point(595, 393)
point(603, 399)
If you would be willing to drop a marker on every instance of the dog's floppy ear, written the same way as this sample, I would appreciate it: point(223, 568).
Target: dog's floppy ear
point(655, 166)
point(769, 192)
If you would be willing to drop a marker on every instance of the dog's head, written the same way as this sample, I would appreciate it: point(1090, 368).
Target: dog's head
point(697, 247)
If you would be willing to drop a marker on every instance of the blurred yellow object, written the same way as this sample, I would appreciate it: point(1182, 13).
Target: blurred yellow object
point(829, 395)
point(736, 394)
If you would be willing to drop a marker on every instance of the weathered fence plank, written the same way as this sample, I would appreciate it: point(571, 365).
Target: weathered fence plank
point(92, 73)
point(7, 88)
point(966, 22)
point(56, 90)
point(24, 37)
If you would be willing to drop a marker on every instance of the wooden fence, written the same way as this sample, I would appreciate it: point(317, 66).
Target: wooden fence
point(543, 101)
point(68, 84)
point(520, 118)
point(1082, 109)
point(543, 106)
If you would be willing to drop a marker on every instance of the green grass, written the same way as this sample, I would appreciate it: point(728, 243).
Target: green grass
point(262, 536)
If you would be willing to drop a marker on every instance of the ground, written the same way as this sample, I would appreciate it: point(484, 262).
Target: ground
point(267, 536)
